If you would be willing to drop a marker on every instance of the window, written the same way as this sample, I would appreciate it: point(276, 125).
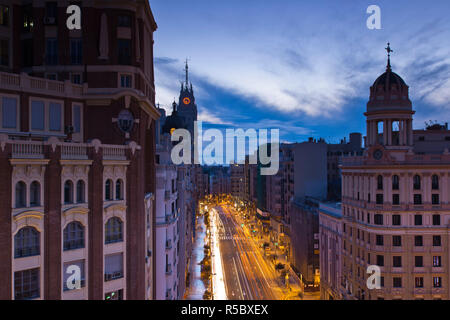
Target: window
point(51, 10)
point(378, 219)
point(416, 182)
point(397, 282)
point(4, 52)
point(436, 219)
point(419, 282)
point(26, 284)
point(27, 52)
point(418, 261)
point(124, 21)
point(368, 218)
point(417, 199)
point(397, 241)
point(76, 51)
point(435, 198)
point(67, 273)
point(9, 113)
point(437, 282)
point(27, 243)
point(80, 191)
point(108, 190)
point(436, 241)
point(380, 260)
point(125, 81)
point(437, 261)
point(35, 194)
point(51, 76)
point(113, 266)
point(435, 182)
point(73, 236)
point(124, 48)
point(21, 194)
point(113, 230)
point(115, 295)
point(119, 189)
point(28, 18)
point(380, 182)
point(379, 199)
point(418, 220)
point(379, 240)
point(68, 192)
point(76, 118)
point(37, 115)
point(397, 261)
point(395, 199)
point(395, 182)
point(51, 52)
point(75, 78)
point(4, 15)
point(396, 220)
point(418, 241)
point(55, 116)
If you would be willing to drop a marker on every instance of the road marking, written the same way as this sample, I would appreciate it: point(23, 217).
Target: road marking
point(239, 282)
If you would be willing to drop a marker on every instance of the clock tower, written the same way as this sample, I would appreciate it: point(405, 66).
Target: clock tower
point(187, 108)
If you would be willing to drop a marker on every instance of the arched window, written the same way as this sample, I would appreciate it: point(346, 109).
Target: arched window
point(26, 243)
point(21, 194)
point(380, 182)
point(119, 189)
point(73, 236)
point(108, 190)
point(35, 194)
point(113, 230)
point(435, 182)
point(416, 182)
point(395, 182)
point(68, 192)
point(80, 191)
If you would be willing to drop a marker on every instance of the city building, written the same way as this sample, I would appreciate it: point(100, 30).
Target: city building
point(310, 188)
point(395, 202)
point(77, 151)
point(330, 246)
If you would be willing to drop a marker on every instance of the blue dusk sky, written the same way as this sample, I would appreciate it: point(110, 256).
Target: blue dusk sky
point(302, 66)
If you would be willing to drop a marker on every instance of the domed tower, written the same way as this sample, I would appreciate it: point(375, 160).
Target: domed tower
point(389, 111)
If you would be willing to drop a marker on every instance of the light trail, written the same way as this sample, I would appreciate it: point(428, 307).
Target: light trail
point(218, 282)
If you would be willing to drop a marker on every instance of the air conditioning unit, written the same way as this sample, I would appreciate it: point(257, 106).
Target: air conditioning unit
point(49, 20)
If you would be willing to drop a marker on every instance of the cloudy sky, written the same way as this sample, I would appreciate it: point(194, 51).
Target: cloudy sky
point(302, 66)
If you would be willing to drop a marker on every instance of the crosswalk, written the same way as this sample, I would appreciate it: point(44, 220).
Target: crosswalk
point(231, 237)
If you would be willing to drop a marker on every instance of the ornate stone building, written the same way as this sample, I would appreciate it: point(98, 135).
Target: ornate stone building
point(396, 203)
point(77, 151)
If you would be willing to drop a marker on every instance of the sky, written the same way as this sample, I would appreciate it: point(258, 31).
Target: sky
point(302, 66)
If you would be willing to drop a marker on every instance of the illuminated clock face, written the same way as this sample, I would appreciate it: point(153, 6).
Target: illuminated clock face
point(186, 100)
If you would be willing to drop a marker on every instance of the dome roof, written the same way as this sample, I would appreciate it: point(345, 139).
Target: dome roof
point(174, 121)
point(389, 77)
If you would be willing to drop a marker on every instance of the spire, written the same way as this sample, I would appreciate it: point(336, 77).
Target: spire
point(174, 106)
point(388, 49)
point(187, 74)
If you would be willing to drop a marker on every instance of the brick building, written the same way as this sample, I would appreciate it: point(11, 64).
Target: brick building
point(77, 150)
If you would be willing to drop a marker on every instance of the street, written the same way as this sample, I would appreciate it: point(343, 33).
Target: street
point(248, 274)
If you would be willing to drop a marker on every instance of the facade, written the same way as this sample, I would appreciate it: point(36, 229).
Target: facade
point(77, 152)
point(330, 240)
point(395, 202)
point(310, 187)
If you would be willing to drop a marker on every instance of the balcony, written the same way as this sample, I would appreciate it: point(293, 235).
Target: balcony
point(113, 275)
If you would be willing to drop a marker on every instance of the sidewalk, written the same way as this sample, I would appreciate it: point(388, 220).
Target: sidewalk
point(196, 287)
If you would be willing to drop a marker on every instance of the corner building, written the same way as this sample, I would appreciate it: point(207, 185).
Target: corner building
point(77, 150)
point(395, 202)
